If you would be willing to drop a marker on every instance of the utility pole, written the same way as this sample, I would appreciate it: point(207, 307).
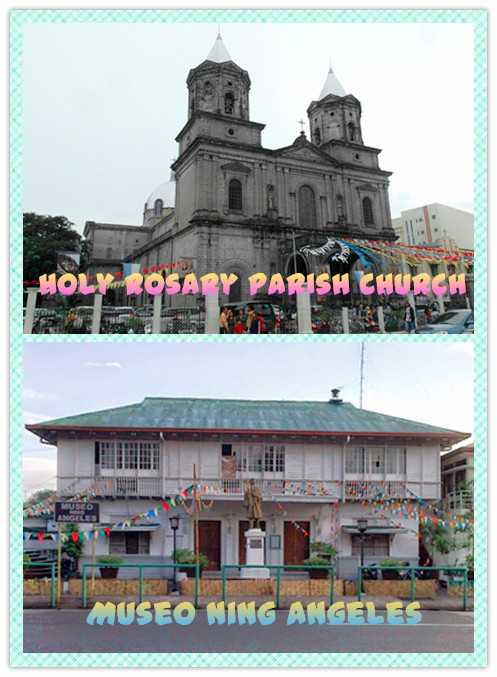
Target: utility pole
point(362, 374)
point(195, 518)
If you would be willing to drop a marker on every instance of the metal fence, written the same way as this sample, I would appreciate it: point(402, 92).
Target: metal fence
point(412, 574)
point(279, 569)
point(117, 320)
point(140, 567)
point(43, 570)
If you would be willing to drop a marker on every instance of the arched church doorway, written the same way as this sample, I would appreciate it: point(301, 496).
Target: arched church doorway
point(296, 264)
point(235, 295)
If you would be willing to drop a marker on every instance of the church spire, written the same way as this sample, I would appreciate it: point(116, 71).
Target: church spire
point(332, 86)
point(219, 53)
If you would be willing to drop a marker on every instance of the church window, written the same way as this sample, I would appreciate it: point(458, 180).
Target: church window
point(229, 103)
point(351, 131)
point(231, 132)
point(235, 195)
point(367, 211)
point(158, 204)
point(317, 136)
point(307, 207)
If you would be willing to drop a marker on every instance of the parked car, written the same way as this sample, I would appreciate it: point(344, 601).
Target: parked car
point(451, 322)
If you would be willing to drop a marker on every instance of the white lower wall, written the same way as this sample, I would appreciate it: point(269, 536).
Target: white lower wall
point(326, 524)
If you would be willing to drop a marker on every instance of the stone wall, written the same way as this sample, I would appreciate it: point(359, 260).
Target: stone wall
point(401, 589)
point(262, 587)
point(36, 586)
point(458, 590)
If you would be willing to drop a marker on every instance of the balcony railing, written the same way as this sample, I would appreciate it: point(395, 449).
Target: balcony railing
point(360, 489)
point(213, 488)
point(271, 489)
point(459, 501)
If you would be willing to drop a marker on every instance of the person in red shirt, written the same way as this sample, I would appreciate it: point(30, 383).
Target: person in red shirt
point(239, 327)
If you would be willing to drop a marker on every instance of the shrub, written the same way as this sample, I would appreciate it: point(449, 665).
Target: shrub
point(185, 556)
point(323, 550)
point(317, 561)
point(109, 559)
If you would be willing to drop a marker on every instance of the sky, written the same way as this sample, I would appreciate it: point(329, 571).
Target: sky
point(103, 103)
point(428, 382)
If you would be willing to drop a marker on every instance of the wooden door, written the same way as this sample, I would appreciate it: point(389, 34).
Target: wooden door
point(296, 546)
point(243, 526)
point(209, 536)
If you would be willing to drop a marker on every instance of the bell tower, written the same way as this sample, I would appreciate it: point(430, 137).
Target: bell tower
point(218, 85)
point(336, 115)
point(218, 102)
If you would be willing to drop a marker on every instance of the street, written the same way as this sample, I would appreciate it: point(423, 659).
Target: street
point(67, 631)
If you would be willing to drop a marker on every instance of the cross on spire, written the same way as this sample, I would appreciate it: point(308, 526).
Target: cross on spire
point(301, 123)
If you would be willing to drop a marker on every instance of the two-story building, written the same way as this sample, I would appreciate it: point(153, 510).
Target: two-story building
point(316, 464)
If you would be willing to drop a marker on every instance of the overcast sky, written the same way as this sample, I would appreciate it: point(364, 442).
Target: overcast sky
point(103, 103)
point(425, 382)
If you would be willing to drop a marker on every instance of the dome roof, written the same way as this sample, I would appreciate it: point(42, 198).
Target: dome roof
point(165, 192)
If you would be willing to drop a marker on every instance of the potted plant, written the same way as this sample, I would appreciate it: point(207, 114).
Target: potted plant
point(26, 561)
point(318, 561)
point(106, 571)
point(185, 556)
point(391, 574)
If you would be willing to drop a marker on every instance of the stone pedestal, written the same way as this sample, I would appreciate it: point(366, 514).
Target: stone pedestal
point(254, 548)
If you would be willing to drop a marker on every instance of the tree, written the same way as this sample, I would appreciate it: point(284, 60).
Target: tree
point(72, 548)
point(38, 497)
point(43, 237)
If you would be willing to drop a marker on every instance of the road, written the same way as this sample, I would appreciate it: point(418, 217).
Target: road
point(67, 631)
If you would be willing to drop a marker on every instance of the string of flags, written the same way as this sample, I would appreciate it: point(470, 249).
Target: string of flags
point(413, 254)
point(93, 534)
point(418, 508)
point(297, 526)
point(46, 507)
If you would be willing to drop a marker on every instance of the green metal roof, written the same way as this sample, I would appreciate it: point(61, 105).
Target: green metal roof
point(244, 415)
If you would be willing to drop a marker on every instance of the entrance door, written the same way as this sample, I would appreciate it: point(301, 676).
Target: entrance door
point(243, 526)
point(209, 536)
point(296, 546)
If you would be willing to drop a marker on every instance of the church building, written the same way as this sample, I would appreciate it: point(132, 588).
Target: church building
point(234, 206)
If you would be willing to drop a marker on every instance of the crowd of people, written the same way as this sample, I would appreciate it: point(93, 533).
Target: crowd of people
point(242, 321)
point(397, 315)
point(363, 317)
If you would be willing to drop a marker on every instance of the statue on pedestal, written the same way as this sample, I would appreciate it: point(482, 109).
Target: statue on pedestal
point(253, 503)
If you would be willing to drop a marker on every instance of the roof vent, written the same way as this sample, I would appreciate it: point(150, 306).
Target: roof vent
point(335, 399)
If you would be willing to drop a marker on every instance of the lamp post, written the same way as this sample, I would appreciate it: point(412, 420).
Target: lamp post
point(362, 525)
point(174, 522)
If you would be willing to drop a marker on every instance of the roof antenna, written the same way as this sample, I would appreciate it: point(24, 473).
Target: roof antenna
point(362, 374)
point(218, 31)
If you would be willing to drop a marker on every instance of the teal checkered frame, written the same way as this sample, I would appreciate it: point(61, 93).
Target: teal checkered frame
point(478, 20)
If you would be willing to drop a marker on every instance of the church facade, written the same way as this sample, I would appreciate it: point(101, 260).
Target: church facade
point(235, 206)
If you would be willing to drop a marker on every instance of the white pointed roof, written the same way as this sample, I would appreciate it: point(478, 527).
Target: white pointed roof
point(332, 86)
point(219, 53)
